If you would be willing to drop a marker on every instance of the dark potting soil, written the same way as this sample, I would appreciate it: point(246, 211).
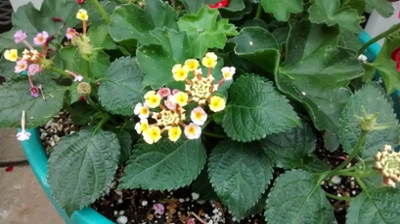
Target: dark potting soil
point(183, 205)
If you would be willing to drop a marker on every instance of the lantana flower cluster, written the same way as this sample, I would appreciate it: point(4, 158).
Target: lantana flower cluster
point(388, 162)
point(166, 107)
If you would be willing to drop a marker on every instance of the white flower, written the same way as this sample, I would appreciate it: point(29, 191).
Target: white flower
point(78, 78)
point(198, 116)
point(192, 131)
point(142, 111)
point(362, 58)
point(228, 72)
point(23, 135)
point(142, 126)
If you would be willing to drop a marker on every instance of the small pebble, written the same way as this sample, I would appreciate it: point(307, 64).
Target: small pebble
point(187, 199)
point(122, 212)
point(195, 196)
point(181, 200)
point(144, 203)
point(115, 212)
point(120, 201)
point(336, 179)
point(215, 211)
point(122, 219)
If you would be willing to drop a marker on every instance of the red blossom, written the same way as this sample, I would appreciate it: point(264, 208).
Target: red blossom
point(220, 4)
point(80, 2)
point(396, 57)
point(9, 169)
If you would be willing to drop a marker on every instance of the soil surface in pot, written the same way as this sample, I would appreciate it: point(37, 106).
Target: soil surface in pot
point(183, 205)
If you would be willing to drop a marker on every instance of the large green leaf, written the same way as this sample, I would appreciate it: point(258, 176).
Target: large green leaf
point(126, 142)
point(99, 38)
point(82, 167)
point(258, 46)
point(205, 31)
point(15, 97)
point(194, 6)
point(99, 63)
point(291, 148)
point(157, 61)
point(298, 198)
point(256, 109)
point(383, 7)
point(281, 9)
point(380, 206)
point(121, 88)
point(316, 73)
point(164, 165)
point(239, 173)
point(330, 13)
point(373, 99)
point(131, 22)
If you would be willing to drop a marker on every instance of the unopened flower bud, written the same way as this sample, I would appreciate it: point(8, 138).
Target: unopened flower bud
point(368, 121)
point(46, 63)
point(84, 88)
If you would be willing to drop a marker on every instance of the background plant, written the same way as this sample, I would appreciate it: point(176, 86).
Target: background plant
point(293, 59)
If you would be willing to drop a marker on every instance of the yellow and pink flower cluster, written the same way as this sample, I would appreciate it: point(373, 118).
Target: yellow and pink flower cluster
point(171, 103)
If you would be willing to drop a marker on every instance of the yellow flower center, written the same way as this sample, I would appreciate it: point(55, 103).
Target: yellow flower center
point(181, 98)
point(144, 110)
point(174, 133)
point(217, 103)
point(191, 130)
point(198, 115)
point(153, 101)
point(192, 64)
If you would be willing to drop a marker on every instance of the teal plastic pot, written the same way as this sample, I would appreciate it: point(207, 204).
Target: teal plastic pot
point(38, 161)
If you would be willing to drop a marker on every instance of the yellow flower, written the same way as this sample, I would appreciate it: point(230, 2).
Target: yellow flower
point(210, 60)
point(152, 135)
point(192, 64)
point(174, 133)
point(142, 111)
point(142, 126)
point(152, 99)
point(180, 73)
point(82, 15)
point(228, 72)
point(181, 98)
point(11, 55)
point(217, 103)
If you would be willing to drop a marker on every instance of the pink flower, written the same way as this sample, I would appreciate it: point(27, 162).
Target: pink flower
point(19, 36)
point(175, 91)
point(70, 33)
point(170, 103)
point(33, 69)
point(21, 65)
point(34, 91)
point(198, 116)
point(192, 131)
point(159, 208)
point(41, 38)
point(164, 92)
point(78, 78)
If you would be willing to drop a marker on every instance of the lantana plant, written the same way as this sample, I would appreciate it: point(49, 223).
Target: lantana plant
point(224, 97)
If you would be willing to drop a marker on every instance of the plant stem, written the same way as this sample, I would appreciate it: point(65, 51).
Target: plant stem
point(337, 197)
point(102, 11)
point(123, 50)
point(259, 10)
point(380, 36)
point(62, 72)
point(208, 121)
point(213, 134)
point(353, 154)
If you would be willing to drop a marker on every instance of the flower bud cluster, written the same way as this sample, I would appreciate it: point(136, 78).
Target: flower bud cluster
point(172, 103)
point(80, 40)
point(388, 162)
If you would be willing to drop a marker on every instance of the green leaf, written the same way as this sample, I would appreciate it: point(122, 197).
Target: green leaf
point(99, 38)
point(95, 17)
point(375, 206)
point(385, 65)
point(157, 61)
point(383, 7)
point(194, 6)
point(121, 88)
point(239, 173)
point(330, 13)
point(15, 97)
point(256, 109)
point(205, 31)
point(131, 22)
point(298, 198)
point(73, 92)
point(373, 98)
point(281, 9)
point(236, 9)
point(82, 166)
point(203, 187)
point(316, 73)
point(99, 63)
point(290, 148)
point(164, 165)
point(126, 143)
point(258, 46)
point(68, 56)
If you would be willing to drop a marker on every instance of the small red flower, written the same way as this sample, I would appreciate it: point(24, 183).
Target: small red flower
point(80, 2)
point(220, 4)
point(396, 57)
point(9, 169)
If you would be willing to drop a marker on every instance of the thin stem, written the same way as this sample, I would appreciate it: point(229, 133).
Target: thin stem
point(213, 134)
point(123, 50)
point(259, 10)
point(380, 36)
point(208, 121)
point(102, 11)
point(62, 72)
point(361, 183)
point(353, 154)
point(337, 197)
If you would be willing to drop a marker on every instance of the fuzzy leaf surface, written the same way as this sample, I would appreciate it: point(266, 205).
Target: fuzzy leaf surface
point(131, 22)
point(99, 38)
point(378, 206)
point(316, 73)
point(383, 7)
point(258, 46)
point(373, 98)
point(298, 198)
point(82, 166)
point(281, 9)
point(121, 88)
point(164, 165)
point(17, 97)
point(205, 30)
point(239, 173)
point(290, 149)
point(256, 109)
point(330, 13)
